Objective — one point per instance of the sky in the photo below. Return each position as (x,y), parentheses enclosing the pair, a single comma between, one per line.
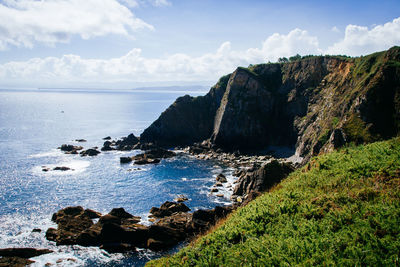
(136,43)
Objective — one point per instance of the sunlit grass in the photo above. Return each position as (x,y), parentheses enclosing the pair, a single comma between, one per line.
(342,209)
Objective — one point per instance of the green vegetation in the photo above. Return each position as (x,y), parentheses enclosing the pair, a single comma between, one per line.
(342,209)
(357,131)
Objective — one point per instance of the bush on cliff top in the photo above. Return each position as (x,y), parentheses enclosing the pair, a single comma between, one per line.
(343,208)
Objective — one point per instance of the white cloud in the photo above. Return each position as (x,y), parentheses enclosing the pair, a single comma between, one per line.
(359,40)
(134,67)
(335,29)
(177,67)
(25,22)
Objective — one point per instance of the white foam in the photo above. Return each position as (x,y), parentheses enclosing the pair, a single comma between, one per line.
(76,166)
(51,153)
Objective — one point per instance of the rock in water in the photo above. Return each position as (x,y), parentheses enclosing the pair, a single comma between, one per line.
(90,152)
(25,253)
(168,208)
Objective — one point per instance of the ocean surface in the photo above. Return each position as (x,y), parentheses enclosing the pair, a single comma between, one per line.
(33,123)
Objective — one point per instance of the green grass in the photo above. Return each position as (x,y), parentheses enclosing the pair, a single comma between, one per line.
(341,209)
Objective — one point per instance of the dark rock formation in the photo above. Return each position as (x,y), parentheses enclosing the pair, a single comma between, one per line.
(25,253)
(312,105)
(143,161)
(80,140)
(62,168)
(118,231)
(107,138)
(70,149)
(127,143)
(169,208)
(263,178)
(221,178)
(107,146)
(124,160)
(187,120)
(90,152)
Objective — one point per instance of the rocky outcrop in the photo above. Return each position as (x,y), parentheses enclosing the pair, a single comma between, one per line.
(187,120)
(169,208)
(23,252)
(151,156)
(119,231)
(312,105)
(263,178)
(70,149)
(18,257)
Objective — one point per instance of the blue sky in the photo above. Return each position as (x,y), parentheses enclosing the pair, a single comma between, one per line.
(128,43)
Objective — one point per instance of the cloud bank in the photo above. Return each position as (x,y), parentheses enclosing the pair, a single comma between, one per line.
(26,22)
(133,67)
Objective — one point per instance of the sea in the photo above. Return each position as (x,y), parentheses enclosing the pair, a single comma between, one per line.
(35,122)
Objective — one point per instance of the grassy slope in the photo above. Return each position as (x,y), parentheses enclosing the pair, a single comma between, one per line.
(343,208)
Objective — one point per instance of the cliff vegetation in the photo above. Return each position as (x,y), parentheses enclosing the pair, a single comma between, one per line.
(341,209)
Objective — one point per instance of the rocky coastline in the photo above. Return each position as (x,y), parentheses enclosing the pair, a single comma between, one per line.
(171,223)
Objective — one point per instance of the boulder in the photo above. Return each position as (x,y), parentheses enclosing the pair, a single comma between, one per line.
(70,149)
(14,262)
(124,160)
(144,161)
(127,143)
(221,178)
(107,146)
(168,208)
(264,178)
(107,138)
(80,140)
(120,213)
(90,152)
(25,253)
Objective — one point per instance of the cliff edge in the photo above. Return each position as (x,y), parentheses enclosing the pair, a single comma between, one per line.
(314,104)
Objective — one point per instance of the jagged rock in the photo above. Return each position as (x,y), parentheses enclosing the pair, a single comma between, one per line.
(127,143)
(36,230)
(92,214)
(146,161)
(90,152)
(180,198)
(221,178)
(168,208)
(14,262)
(107,138)
(70,149)
(124,160)
(156,154)
(25,253)
(263,178)
(120,213)
(214,190)
(118,231)
(107,146)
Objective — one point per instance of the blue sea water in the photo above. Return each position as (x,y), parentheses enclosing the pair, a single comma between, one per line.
(33,123)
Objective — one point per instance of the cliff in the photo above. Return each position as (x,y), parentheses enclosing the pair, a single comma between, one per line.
(313,105)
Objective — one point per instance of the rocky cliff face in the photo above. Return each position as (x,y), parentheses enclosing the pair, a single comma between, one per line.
(187,120)
(314,104)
